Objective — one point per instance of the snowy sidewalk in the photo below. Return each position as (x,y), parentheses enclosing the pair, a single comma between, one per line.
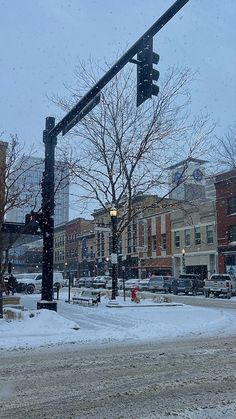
(100,324)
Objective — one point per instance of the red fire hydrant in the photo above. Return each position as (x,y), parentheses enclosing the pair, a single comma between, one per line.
(133,294)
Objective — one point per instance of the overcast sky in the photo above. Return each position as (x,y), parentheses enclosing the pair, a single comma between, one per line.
(41,42)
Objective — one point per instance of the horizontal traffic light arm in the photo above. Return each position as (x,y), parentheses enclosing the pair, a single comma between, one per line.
(132,51)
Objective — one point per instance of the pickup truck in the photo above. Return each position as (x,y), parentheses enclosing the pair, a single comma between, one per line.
(220,284)
(188,284)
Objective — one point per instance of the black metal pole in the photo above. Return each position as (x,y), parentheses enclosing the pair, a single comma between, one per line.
(48,218)
(183,263)
(114,256)
(69,284)
(123,272)
(1,305)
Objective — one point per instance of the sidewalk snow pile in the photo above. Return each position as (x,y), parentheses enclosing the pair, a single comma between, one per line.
(34,328)
(102,325)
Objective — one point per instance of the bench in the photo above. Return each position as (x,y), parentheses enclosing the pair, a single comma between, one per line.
(88,297)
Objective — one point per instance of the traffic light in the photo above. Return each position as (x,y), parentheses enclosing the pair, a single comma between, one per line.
(33,223)
(146,74)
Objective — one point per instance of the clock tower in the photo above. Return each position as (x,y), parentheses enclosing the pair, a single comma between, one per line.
(187,179)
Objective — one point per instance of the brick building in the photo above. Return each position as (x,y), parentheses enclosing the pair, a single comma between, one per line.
(73,230)
(226,221)
(154,239)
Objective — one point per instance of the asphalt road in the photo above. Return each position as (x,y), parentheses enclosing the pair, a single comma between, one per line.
(191,378)
(187,378)
(201,301)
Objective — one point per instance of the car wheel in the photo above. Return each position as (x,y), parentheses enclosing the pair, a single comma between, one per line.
(19,288)
(30,289)
(207,294)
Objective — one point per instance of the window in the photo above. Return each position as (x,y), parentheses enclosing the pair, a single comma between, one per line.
(143,230)
(187,237)
(129,239)
(177,239)
(232,233)
(163,241)
(197,233)
(134,237)
(154,243)
(232,205)
(209,234)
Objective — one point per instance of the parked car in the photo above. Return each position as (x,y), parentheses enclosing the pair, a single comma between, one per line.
(160,283)
(84,281)
(188,284)
(119,284)
(143,284)
(101,281)
(132,283)
(220,284)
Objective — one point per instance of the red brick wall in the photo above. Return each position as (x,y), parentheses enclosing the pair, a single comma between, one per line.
(224,190)
(168,234)
(149,237)
(158,232)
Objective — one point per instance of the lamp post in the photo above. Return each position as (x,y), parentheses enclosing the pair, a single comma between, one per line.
(114,256)
(183,261)
(107,266)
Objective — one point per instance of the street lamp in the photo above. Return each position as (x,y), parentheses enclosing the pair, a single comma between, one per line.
(183,261)
(114,256)
(65,270)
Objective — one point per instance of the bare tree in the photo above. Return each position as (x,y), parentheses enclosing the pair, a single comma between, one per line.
(17,191)
(118,150)
(226,150)
(14,193)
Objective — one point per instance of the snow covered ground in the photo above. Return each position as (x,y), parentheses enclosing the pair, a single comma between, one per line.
(100,324)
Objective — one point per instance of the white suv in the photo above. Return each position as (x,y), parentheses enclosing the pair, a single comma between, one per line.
(32,282)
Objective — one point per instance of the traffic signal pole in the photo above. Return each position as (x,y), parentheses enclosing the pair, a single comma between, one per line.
(79,111)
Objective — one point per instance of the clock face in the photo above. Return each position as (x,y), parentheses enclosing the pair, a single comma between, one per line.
(176,177)
(197,175)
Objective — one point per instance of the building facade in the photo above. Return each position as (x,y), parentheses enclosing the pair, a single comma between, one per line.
(154,237)
(194,239)
(74,229)
(59,248)
(226,221)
